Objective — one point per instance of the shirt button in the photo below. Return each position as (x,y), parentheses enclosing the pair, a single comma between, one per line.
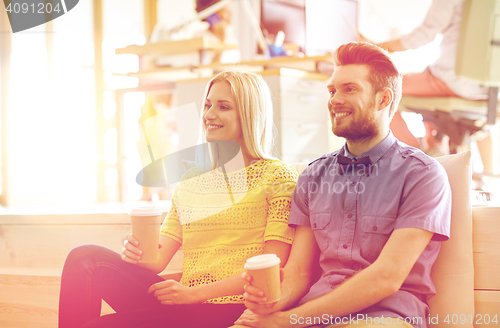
(345,246)
(349,215)
(374,228)
(353,183)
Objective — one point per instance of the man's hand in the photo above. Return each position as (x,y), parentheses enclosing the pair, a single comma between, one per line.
(275,320)
(361,38)
(391,46)
(170,292)
(255,299)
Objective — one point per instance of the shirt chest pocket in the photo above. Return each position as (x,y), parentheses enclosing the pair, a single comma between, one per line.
(374,233)
(320,225)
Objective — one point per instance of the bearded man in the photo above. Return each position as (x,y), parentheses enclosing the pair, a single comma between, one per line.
(371,214)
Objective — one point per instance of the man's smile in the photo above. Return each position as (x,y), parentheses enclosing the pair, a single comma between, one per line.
(340,115)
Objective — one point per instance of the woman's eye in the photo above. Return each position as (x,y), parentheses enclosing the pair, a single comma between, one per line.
(332,92)
(349,89)
(224,107)
(207,106)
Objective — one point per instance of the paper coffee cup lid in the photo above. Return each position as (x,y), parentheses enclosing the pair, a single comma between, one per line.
(262,261)
(145,211)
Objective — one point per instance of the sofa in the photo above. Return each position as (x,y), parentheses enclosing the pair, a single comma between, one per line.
(33,247)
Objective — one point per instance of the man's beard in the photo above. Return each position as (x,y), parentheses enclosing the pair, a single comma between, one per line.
(361,128)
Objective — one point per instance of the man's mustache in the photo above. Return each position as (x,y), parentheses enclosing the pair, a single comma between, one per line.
(339,108)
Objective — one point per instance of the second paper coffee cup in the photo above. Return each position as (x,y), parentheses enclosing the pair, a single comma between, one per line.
(146,221)
(265,272)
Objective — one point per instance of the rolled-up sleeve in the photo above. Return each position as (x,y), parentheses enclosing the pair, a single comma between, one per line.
(278,213)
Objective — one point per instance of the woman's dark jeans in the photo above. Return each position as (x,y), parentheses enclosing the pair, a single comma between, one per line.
(93,273)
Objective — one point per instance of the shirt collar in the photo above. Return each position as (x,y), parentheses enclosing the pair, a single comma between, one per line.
(376,152)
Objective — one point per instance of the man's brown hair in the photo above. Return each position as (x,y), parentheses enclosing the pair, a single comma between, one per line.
(383,73)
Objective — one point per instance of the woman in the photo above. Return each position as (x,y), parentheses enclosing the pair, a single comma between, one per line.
(216,243)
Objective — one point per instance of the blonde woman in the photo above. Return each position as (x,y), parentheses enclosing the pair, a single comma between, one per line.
(216,243)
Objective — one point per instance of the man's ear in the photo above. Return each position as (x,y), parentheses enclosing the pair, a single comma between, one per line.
(387,97)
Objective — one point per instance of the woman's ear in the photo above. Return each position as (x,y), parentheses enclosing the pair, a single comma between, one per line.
(386,100)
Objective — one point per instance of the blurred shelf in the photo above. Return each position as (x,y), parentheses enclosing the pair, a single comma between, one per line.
(175,47)
(170,73)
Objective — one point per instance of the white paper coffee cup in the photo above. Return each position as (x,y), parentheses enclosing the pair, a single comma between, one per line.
(265,272)
(146,221)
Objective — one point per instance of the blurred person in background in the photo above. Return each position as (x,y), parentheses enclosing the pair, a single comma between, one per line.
(438,79)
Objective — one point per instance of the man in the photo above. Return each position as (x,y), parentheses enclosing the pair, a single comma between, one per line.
(374,225)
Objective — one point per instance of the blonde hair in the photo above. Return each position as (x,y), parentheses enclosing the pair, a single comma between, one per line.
(255,106)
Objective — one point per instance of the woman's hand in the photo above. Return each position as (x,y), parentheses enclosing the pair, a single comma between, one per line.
(170,292)
(130,252)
